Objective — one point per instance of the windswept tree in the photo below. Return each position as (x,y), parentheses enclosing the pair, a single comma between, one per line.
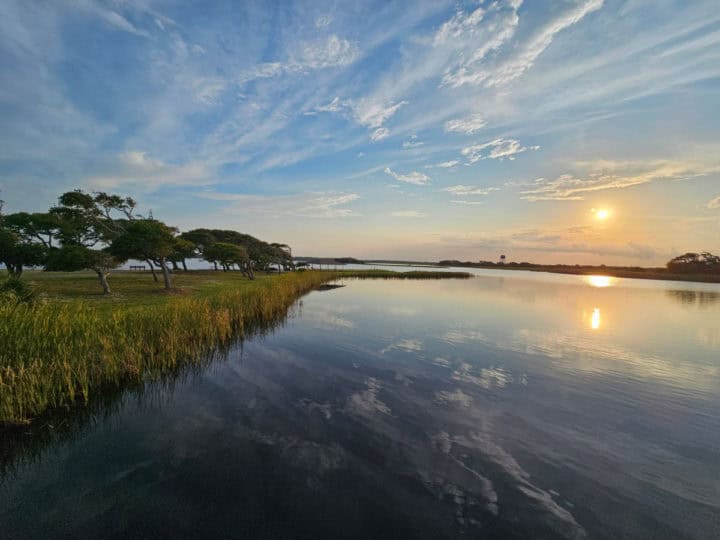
(695,263)
(34,227)
(19,246)
(72,258)
(228,255)
(260,254)
(184,249)
(147,240)
(86,224)
(16,252)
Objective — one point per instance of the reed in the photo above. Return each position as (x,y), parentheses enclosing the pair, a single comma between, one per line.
(58,351)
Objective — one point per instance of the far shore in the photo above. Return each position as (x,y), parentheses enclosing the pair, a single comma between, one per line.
(581,270)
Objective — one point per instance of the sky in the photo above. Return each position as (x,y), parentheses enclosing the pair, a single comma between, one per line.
(406,130)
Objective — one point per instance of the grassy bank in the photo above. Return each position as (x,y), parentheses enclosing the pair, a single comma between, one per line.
(74,341)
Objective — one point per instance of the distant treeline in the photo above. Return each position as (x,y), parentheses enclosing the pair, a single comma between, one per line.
(100,231)
(704,263)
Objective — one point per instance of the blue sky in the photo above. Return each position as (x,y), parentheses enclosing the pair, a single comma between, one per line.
(418,130)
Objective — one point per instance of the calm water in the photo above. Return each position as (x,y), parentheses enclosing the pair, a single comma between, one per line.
(508,405)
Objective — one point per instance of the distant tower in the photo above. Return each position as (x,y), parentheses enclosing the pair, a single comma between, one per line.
(502,259)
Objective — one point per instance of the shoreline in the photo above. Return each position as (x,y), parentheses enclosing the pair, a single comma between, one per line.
(74,342)
(658,274)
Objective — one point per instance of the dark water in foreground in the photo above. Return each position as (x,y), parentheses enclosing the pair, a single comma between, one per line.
(498,407)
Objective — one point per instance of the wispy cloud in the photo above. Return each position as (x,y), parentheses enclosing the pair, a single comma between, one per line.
(444,165)
(330,52)
(412,142)
(614,175)
(462,190)
(379,134)
(305,205)
(416,178)
(468,125)
(466,202)
(714,203)
(475,71)
(496,149)
(407,214)
(139,171)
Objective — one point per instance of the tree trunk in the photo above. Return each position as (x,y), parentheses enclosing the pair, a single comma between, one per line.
(215,263)
(152,269)
(166,274)
(102,276)
(175,266)
(184,265)
(249,269)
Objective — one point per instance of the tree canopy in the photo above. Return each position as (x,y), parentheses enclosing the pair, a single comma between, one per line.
(695,263)
(99,231)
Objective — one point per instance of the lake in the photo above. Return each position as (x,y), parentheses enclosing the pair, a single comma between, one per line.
(509,405)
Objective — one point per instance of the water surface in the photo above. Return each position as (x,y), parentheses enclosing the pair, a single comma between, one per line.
(510,405)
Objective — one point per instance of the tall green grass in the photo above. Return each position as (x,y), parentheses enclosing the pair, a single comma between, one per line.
(57,352)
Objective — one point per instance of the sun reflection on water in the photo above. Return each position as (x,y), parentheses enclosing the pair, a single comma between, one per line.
(595,319)
(599,281)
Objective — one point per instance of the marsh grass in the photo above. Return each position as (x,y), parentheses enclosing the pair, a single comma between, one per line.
(72,342)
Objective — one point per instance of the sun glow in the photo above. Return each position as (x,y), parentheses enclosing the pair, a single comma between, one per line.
(599,281)
(595,319)
(601,213)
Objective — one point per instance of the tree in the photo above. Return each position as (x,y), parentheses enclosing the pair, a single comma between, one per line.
(260,253)
(84,221)
(184,249)
(18,242)
(72,258)
(227,255)
(16,252)
(696,263)
(36,227)
(146,239)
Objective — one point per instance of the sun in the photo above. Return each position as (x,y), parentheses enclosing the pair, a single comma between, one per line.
(601,213)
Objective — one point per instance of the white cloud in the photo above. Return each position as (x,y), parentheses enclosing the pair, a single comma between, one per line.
(379,134)
(613,175)
(469,203)
(444,165)
(208,90)
(496,149)
(407,214)
(468,125)
(111,17)
(374,114)
(336,105)
(323,21)
(412,142)
(139,170)
(527,55)
(265,70)
(462,25)
(475,71)
(332,52)
(416,178)
(369,113)
(306,205)
(463,191)
(501,22)
(714,203)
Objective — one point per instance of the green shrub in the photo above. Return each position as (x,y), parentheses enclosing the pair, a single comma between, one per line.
(16,290)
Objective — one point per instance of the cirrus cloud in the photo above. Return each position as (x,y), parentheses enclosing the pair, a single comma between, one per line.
(416,178)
